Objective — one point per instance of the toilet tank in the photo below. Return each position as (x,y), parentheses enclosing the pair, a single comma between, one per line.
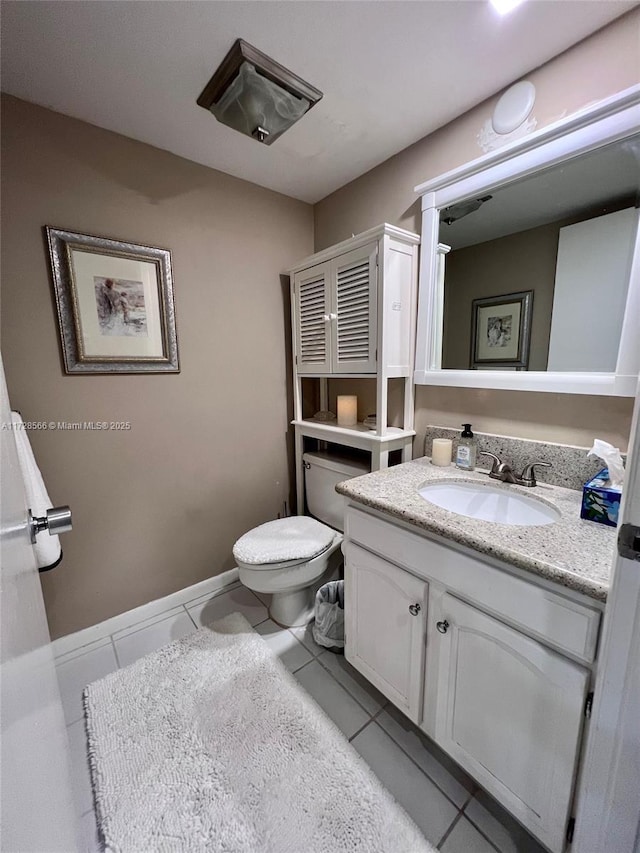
(322,472)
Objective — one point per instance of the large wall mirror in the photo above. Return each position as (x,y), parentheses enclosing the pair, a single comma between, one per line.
(531,260)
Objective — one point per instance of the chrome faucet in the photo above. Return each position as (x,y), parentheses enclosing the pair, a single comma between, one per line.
(503,471)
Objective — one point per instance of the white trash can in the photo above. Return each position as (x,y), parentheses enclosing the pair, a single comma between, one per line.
(328,629)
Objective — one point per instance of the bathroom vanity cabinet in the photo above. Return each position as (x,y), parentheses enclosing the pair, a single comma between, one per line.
(494,667)
(353,315)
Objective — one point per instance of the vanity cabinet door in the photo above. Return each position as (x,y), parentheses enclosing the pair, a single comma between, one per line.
(385,618)
(510,712)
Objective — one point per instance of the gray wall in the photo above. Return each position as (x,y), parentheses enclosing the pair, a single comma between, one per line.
(157,508)
(564,85)
(519,262)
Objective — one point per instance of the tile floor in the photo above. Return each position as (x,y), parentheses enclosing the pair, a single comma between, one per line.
(441,799)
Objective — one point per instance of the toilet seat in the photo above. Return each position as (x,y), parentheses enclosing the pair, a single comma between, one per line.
(272,567)
(283,543)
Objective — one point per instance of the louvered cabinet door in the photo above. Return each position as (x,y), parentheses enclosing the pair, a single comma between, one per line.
(312,318)
(354,311)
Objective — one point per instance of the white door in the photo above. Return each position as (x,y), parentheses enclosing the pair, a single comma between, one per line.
(510,711)
(385,620)
(354,313)
(313,319)
(36,804)
(608,802)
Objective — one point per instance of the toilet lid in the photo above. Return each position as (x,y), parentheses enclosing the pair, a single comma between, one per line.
(295,538)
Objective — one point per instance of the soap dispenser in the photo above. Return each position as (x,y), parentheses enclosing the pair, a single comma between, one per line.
(467,449)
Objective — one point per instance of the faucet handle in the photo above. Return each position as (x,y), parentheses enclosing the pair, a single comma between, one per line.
(528,476)
(497,462)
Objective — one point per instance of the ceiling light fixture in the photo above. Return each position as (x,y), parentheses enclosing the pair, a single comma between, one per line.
(503,7)
(255,95)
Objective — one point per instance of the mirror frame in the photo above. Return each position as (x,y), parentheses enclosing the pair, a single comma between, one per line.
(610,120)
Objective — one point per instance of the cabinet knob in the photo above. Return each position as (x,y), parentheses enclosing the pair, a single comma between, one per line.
(443,626)
(414,609)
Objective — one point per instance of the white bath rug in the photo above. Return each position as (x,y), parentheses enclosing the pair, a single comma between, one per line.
(209,744)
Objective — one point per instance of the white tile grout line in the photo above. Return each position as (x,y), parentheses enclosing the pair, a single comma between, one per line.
(372,719)
(449,830)
(143,625)
(344,687)
(190,616)
(78,651)
(421,769)
(207,596)
(482,831)
(82,650)
(462,814)
(115,651)
(65,646)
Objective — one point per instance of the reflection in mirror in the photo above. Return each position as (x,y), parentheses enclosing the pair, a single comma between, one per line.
(538,271)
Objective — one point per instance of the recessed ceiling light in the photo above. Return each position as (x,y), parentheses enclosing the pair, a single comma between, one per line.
(505,6)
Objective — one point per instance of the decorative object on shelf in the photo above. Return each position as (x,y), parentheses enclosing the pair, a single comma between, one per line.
(441,452)
(115,304)
(347,410)
(370,421)
(255,95)
(324,417)
(501,330)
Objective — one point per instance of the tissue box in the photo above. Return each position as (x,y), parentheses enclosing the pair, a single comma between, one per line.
(600,502)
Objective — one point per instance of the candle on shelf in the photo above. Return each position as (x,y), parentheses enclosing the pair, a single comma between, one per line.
(347,410)
(441,452)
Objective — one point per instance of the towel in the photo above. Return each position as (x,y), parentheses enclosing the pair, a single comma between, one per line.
(47,548)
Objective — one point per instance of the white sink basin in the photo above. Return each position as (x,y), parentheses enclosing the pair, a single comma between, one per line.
(489,503)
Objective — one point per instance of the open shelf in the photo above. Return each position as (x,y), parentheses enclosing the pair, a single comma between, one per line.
(332,431)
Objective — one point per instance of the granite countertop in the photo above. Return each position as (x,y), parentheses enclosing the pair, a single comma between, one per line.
(575,553)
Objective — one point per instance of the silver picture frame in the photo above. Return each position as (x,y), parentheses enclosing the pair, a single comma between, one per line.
(501,331)
(115,304)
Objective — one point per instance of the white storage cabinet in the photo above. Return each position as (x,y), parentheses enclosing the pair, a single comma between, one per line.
(353,314)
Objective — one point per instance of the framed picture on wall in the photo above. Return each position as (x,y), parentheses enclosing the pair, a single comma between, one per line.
(501,331)
(115,304)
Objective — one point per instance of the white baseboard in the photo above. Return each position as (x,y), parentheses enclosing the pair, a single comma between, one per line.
(210,586)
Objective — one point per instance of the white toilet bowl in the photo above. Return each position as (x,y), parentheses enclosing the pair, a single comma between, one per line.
(290,558)
(292,583)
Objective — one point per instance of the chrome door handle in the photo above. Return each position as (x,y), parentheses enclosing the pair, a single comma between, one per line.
(414,609)
(57,520)
(443,626)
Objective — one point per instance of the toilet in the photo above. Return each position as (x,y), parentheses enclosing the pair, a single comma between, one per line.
(290,558)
